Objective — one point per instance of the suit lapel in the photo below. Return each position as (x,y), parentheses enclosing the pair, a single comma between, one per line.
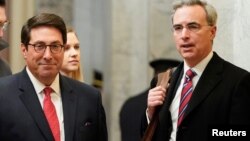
(31,101)
(209,79)
(69,101)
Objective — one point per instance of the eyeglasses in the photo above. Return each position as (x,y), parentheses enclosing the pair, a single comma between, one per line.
(4,25)
(54,48)
(192,27)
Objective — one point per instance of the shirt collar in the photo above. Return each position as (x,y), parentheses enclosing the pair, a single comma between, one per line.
(40,86)
(200,67)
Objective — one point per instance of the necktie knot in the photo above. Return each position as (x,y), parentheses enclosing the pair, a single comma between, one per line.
(190,74)
(47,91)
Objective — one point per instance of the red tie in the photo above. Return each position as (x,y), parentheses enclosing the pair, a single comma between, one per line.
(186,94)
(50,113)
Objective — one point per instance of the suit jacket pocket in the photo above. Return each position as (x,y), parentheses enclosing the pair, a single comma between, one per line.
(88,131)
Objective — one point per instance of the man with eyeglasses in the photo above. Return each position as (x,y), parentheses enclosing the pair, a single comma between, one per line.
(207,96)
(40,104)
(4,67)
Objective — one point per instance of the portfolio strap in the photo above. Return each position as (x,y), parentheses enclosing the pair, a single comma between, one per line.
(162,80)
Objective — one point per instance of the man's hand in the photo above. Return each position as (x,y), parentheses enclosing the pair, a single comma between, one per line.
(156,97)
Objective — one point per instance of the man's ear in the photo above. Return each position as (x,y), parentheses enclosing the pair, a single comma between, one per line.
(24,50)
(213,31)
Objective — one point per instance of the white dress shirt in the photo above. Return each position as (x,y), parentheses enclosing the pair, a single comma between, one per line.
(174,107)
(55,97)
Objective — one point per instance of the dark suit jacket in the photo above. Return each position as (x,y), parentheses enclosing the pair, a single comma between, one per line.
(130,116)
(220,99)
(4,68)
(22,117)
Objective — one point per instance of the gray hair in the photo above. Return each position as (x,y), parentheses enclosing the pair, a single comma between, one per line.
(211,14)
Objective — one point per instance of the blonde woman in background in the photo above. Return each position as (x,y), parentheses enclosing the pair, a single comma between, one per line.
(71,66)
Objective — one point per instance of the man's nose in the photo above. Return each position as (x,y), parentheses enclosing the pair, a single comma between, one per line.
(47,52)
(185,33)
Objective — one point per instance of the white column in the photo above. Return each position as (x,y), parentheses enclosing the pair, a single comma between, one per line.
(20,11)
(232,39)
(128,61)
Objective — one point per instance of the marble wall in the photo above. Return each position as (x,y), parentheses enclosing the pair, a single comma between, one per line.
(161,44)
(63,8)
(128,68)
(18,13)
(92,23)
(232,39)
(241,38)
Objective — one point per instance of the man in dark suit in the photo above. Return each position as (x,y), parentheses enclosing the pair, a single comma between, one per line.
(4,67)
(134,107)
(215,94)
(26,97)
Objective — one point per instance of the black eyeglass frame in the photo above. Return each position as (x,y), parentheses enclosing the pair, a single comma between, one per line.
(4,25)
(40,48)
